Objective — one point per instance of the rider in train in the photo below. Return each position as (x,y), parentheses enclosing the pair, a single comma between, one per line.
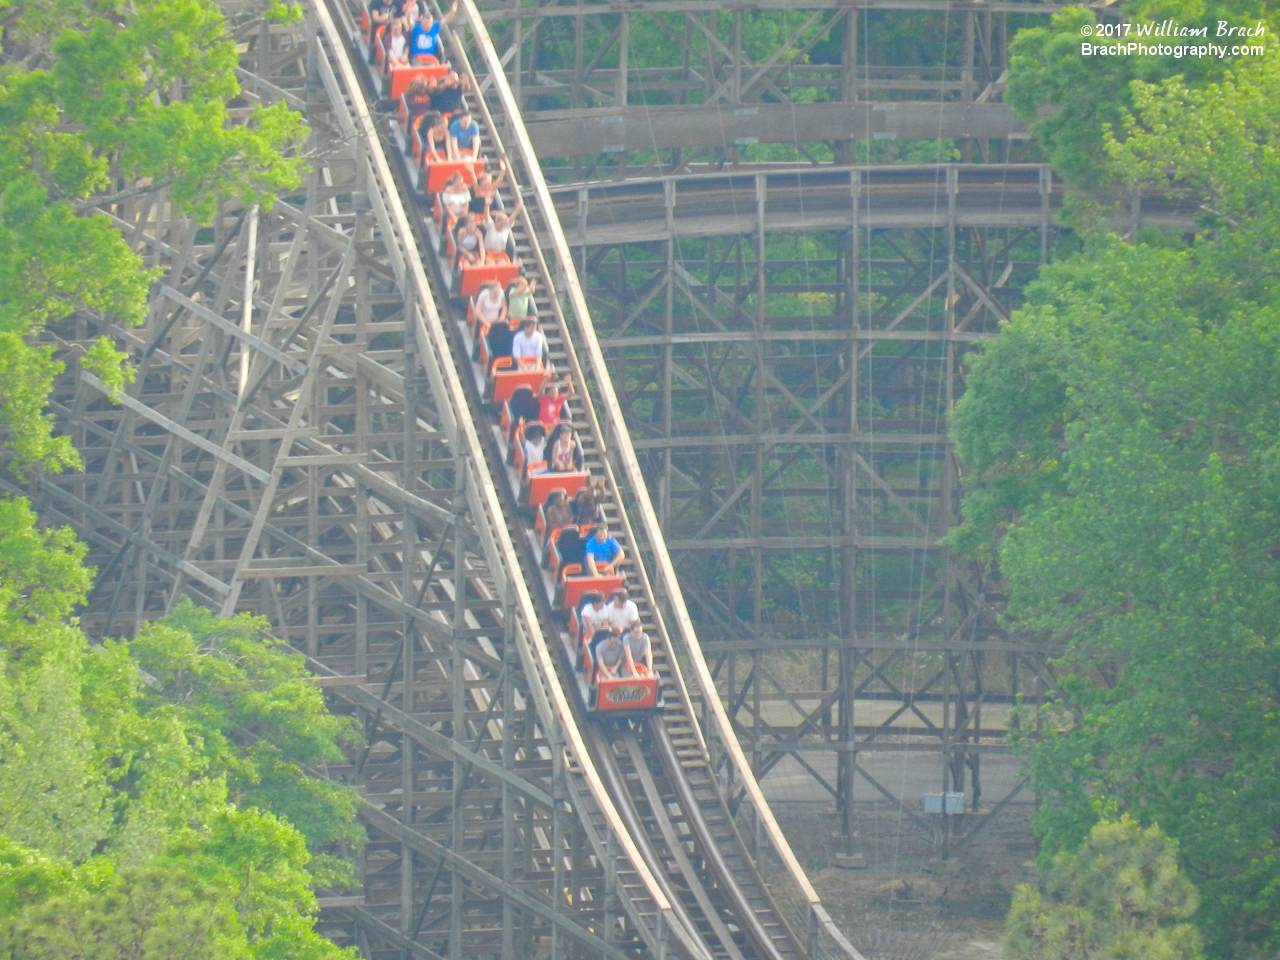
(621,611)
(425,41)
(608,656)
(639,650)
(601,549)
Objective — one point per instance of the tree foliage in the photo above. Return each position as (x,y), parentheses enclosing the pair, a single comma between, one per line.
(1121,897)
(1073,101)
(99,98)
(139,816)
(1121,449)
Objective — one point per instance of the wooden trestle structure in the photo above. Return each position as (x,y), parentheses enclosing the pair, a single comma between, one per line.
(299,443)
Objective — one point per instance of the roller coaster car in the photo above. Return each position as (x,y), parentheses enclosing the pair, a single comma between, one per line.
(565,546)
(471,279)
(493,342)
(541,485)
(440,172)
(572,583)
(506,376)
(540,519)
(612,697)
(366,29)
(626,696)
(399,78)
(522,405)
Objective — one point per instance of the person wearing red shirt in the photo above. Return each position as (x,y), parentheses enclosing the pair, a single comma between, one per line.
(551,404)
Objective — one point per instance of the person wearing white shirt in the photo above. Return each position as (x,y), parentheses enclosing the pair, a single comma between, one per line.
(497,233)
(491,305)
(591,615)
(529,343)
(621,612)
(456,196)
(535,444)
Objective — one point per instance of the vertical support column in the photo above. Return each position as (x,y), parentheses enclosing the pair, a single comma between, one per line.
(578,26)
(409,547)
(736,90)
(953,185)
(517,40)
(846,150)
(709,72)
(1046,193)
(967,85)
(846,757)
(584,206)
(974,759)
(408,670)
(458,666)
(624,50)
(758,385)
(668,354)
(246,300)
(944,817)
(559,799)
(510,663)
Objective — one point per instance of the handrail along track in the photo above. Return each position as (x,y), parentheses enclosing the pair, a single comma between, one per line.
(663,806)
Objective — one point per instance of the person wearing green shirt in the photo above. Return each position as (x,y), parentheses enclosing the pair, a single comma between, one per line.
(520,298)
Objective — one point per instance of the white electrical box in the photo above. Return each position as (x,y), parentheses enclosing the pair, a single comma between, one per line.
(933,803)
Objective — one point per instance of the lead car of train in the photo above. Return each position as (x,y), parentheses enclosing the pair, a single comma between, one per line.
(510,388)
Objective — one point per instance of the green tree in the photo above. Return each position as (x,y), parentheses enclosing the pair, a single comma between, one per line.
(1120,897)
(141,914)
(262,722)
(101,101)
(1121,449)
(1073,101)
(137,816)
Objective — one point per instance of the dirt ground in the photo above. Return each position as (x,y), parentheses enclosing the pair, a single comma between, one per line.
(908,903)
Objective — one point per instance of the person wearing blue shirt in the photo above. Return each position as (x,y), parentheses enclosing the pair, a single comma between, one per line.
(464,135)
(601,549)
(426,35)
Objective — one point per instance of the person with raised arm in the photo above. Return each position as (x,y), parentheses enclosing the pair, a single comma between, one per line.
(497,232)
(487,196)
(426,35)
(551,408)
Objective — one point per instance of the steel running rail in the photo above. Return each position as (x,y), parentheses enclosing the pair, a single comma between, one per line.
(611,841)
(823,938)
